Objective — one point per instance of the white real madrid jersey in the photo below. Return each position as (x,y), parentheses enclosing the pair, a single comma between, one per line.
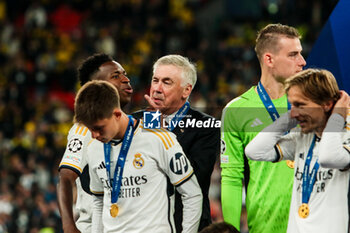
(78,138)
(144,206)
(74,158)
(328,200)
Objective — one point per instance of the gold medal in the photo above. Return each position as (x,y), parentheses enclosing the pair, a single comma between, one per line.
(304,210)
(290,163)
(114,210)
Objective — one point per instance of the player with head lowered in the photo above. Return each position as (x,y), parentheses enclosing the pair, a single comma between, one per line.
(73,164)
(132,167)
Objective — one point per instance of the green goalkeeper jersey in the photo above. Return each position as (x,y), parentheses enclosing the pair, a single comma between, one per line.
(269,185)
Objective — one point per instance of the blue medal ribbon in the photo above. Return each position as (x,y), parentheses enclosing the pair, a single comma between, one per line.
(179,115)
(119,168)
(309,179)
(270,107)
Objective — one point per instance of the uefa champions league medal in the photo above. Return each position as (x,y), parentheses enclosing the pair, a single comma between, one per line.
(304,210)
(114,210)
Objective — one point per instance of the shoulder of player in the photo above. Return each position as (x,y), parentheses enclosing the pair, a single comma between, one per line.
(80,131)
(162,136)
(235,112)
(94,153)
(244,100)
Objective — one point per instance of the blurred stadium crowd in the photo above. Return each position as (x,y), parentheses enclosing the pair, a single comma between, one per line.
(43,41)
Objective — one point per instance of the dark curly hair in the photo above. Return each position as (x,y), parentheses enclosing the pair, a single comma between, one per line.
(91,65)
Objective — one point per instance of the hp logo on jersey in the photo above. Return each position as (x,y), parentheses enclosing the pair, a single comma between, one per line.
(179,164)
(151,120)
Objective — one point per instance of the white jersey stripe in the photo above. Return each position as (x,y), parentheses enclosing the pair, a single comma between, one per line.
(166,136)
(85,131)
(81,130)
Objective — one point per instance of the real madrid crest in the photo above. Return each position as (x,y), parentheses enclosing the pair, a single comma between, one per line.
(138,161)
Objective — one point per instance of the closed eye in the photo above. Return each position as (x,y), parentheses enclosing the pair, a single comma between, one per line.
(168,82)
(293,54)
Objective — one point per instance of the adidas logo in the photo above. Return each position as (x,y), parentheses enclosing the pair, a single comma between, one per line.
(256,122)
(101,166)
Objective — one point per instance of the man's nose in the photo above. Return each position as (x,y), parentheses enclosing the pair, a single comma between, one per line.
(294,112)
(95,134)
(157,87)
(302,61)
(125,78)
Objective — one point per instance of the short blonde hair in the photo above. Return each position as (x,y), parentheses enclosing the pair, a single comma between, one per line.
(268,38)
(319,85)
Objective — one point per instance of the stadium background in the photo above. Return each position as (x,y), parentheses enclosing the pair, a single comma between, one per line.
(43,41)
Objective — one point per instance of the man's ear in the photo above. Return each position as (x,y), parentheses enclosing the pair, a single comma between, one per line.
(328,106)
(117,113)
(187,91)
(268,59)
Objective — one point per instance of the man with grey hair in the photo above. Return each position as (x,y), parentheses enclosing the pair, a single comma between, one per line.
(174,77)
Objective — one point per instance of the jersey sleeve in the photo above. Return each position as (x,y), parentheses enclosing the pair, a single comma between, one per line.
(73,158)
(232,165)
(285,147)
(334,144)
(172,160)
(274,143)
